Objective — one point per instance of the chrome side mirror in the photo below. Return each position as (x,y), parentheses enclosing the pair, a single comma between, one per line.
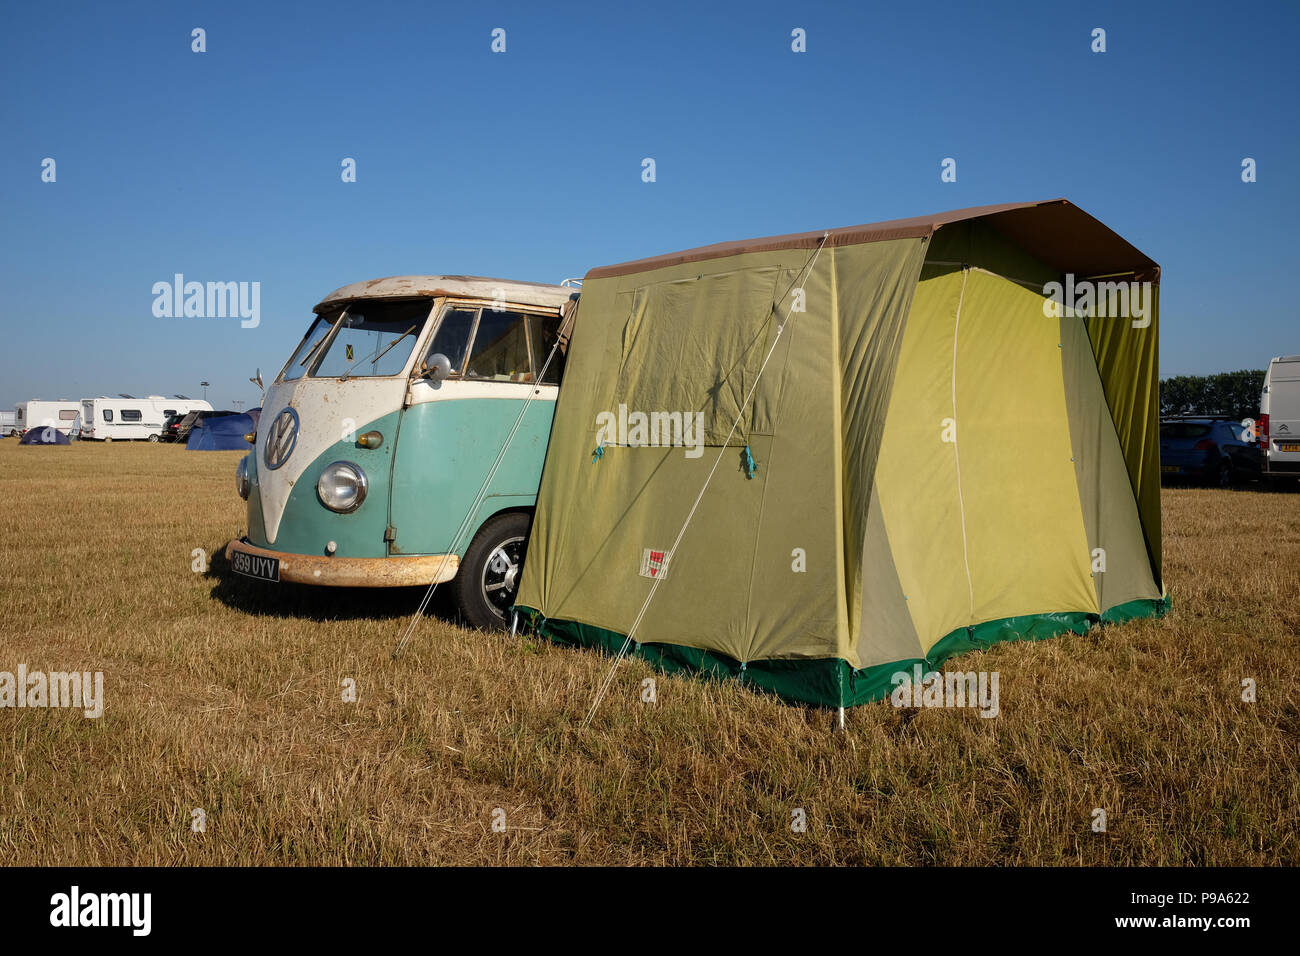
(436,367)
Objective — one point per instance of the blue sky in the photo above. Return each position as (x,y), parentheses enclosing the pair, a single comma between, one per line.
(225,165)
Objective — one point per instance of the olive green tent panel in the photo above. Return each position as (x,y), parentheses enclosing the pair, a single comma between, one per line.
(920,461)
(602,511)
(1116,541)
(1128,362)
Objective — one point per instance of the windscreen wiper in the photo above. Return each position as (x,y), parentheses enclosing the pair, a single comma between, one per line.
(344,376)
(315,348)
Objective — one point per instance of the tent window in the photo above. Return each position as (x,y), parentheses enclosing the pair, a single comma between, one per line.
(696,345)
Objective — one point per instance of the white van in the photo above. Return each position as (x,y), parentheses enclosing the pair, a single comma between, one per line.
(1279,419)
(126,418)
(38,414)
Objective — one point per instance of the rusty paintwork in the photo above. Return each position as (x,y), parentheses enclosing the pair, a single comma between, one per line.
(391,572)
(522,294)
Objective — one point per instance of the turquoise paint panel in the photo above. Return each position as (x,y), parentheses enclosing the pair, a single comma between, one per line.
(307,525)
(444,452)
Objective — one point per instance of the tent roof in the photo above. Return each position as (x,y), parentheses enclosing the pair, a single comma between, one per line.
(478,287)
(1055,231)
(44,435)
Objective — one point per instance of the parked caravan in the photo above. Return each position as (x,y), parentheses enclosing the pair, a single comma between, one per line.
(127,418)
(383,427)
(8,424)
(63,415)
(1279,419)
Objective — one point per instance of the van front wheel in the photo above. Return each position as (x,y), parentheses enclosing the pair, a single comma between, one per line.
(488,579)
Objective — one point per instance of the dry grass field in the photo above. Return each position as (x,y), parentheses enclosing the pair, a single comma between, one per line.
(225,695)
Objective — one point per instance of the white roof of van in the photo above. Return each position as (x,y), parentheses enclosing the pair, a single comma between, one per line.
(477,287)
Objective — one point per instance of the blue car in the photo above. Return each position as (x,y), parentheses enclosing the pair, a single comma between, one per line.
(1219,451)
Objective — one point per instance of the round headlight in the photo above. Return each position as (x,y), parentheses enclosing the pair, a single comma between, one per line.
(342,487)
(241,477)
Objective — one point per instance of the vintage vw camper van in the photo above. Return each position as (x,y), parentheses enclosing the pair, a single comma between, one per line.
(378,434)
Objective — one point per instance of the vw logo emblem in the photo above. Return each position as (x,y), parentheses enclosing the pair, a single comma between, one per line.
(280,439)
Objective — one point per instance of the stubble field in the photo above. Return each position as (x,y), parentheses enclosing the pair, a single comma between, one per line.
(226,696)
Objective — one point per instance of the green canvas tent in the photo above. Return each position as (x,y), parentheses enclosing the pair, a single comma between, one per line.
(951,441)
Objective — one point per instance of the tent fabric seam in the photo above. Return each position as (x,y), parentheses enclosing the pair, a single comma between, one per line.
(956,453)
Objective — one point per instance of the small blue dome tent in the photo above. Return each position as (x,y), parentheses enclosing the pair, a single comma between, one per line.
(222,433)
(44,435)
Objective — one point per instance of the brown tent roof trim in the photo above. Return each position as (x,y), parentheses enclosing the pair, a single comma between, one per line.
(1055,231)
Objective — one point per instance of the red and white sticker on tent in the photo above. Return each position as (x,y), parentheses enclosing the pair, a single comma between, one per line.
(654,564)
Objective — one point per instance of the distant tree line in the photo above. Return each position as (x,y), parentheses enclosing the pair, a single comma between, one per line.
(1229,393)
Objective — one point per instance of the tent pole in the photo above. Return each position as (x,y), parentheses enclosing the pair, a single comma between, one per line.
(514,623)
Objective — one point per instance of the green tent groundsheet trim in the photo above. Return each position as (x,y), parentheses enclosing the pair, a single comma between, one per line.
(833,682)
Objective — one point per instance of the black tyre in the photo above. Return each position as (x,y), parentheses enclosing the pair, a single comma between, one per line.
(488,579)
(1224,476)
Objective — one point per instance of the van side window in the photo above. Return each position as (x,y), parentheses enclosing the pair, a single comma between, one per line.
(543,331)
(452,339)
(67,414)
(108,414)
(168,412)
(500,351)
(131,415)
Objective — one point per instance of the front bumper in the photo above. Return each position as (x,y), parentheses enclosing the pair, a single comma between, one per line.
(393,572)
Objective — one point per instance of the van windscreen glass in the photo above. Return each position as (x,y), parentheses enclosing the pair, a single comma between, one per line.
(308,350)
(373,339)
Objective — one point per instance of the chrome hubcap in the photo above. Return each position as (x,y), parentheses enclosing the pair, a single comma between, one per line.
(501,575)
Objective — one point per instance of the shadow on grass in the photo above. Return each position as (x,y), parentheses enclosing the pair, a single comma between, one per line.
(303,602)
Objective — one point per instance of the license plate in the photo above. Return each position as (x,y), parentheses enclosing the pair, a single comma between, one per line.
(255,566)
(1288,446)
(1173,468)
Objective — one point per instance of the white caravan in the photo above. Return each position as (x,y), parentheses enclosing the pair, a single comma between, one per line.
(1279,419)
(64,416)
(130,419)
